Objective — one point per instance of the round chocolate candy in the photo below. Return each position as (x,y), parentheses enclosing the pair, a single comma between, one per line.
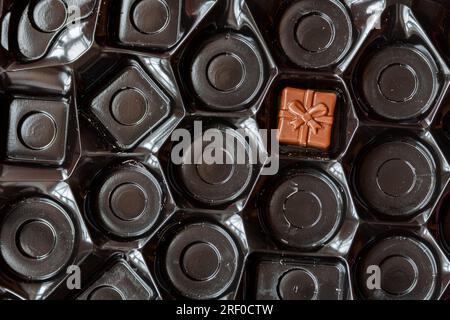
(150,16)
(298,284)
(304,210)
(396,178)
(37,239)
(400,82)
(228,72)
(315,34)
(201,261)
(221,179)
(49,15)
(128,202)
(406,270)
(37,130)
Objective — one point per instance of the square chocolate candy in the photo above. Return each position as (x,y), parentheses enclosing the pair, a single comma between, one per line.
(306,118)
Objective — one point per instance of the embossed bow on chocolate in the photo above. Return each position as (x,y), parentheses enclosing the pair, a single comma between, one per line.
(313,117)
(306,118)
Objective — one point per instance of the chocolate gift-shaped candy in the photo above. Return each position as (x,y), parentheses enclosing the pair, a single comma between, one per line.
(306,118)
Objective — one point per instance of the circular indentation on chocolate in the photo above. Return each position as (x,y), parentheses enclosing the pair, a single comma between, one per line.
(200,260)
(220,179)
(398,275)
(50,15)
(303,210)
(37,130)
(408,269)
(107,293)
(36,239)
(127,201)
(311,209)
(315,34)
(151,16)
(396,177)
(400,82)
(227,72)
(129,107)
(298,284)
(396,168)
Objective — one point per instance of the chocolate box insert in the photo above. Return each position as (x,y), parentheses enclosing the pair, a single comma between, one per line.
(94,92)
(408,269)
(228,72)
(395,176)
(216,184)
(400,82)
(126,201)
(40,235)
(200,261)
(315,34)
(149,23)
(275,277)
(131,106)
(38,131)
(119,282)
(43,22)
(304,210)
